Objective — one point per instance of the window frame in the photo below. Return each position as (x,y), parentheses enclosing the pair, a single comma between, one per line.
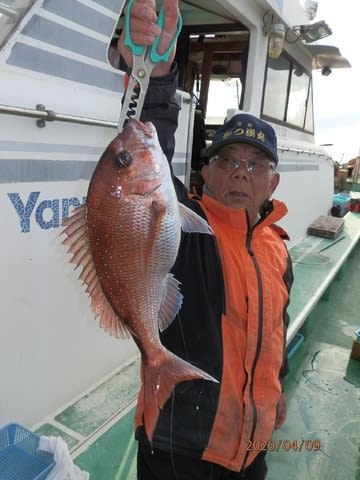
(294,65)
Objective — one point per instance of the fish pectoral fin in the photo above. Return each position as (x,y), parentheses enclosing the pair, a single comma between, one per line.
(170,303)
(107,318)
(191,222)
(78,245)
(76,237)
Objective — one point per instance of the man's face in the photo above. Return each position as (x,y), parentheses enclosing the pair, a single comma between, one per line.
(235,187)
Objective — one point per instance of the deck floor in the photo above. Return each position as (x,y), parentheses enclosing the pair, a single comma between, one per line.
(323,391)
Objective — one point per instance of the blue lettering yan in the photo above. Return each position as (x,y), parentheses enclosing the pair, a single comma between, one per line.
(25,211)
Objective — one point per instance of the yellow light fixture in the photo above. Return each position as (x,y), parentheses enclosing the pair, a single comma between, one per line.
(276,40)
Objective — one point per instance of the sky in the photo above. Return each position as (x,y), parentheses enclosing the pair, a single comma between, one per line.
(337,97)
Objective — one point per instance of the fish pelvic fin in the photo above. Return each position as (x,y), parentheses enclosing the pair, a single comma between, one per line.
(170,303)
(78,245)
(191,222)
(159,382)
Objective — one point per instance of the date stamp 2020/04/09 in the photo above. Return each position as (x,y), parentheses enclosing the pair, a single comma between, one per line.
(285,445)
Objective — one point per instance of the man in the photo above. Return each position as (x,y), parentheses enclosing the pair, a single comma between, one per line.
(236,284)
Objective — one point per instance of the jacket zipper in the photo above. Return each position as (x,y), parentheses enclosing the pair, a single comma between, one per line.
(260,329)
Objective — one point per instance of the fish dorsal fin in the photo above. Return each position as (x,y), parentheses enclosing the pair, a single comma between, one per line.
(170,303)
(191,222)
(78,245)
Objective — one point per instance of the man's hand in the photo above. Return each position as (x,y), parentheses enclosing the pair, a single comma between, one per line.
(280,412)
(143,31)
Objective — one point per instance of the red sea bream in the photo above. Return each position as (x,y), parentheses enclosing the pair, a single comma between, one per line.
(125,239)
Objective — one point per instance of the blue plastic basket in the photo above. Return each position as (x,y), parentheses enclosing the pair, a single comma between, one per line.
(341,199)
(20,457)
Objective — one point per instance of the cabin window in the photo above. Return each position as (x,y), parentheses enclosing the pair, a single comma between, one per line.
(309,120)
(212,62)
(297,98)
(288,94)
(11,13)
(229,91)
(276,89)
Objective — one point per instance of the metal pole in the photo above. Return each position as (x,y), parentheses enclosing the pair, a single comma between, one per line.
(51,116)
(10,12)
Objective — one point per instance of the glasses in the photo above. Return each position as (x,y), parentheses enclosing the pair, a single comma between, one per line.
(257,165)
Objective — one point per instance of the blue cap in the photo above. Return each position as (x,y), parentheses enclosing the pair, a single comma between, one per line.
(246,128)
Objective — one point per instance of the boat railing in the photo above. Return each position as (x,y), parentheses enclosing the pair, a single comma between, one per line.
(302,150)
(43,115)
(8,11)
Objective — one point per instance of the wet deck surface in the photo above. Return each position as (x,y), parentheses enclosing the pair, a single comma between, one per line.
(323,390)
(321,436)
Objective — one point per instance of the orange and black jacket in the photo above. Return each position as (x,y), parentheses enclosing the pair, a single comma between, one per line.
(232,324)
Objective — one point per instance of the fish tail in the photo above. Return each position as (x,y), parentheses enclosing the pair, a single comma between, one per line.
(159,382)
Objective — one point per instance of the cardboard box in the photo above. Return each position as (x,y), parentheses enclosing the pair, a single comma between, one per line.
(355,351)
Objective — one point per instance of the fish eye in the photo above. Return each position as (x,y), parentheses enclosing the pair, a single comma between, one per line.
(123,158)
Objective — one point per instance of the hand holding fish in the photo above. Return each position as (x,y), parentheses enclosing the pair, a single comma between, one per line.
(144,30)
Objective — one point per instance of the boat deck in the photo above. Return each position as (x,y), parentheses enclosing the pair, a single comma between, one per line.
(323,390)
(321,436)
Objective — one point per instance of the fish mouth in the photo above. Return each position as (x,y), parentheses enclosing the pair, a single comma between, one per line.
(147,127)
